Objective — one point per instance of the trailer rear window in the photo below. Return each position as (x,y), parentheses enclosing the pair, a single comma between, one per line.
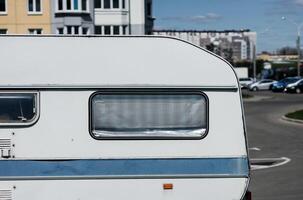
(18,108)
(148,115)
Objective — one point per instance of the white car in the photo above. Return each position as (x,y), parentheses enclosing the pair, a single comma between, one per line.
(264,84)
(244,82)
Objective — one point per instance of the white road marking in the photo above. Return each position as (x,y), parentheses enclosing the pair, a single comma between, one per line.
(276,162)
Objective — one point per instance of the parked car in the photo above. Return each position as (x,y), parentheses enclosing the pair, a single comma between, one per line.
(281,85)
(296,87)
(244,82)
(261,85)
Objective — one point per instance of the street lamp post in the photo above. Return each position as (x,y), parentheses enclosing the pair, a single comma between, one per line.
(255,62)
(299,27)
(299,53)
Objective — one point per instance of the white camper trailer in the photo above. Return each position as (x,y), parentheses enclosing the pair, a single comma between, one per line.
(119,118)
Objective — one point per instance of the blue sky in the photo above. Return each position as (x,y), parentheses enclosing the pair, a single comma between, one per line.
(262,16)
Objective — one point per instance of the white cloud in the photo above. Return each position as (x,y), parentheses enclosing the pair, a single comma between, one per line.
(299,2)
(196,18)
(205,18)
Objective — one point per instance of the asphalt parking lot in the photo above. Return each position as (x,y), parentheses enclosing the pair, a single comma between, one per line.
(271,137)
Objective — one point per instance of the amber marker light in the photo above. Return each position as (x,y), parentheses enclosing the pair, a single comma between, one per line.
(168,186)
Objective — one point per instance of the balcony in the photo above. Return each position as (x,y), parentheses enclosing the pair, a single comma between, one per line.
(111,16)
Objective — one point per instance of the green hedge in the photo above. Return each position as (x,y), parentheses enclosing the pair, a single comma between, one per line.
(296,115)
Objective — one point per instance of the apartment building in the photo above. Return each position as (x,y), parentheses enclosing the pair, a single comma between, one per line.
(235,45)
(25,17)
(72,17)
(123,17)
(76,17)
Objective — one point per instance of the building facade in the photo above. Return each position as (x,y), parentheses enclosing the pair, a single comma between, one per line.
(277,58)
(25,17)
(76,17)
(235,45)
(72,17)
(123,17)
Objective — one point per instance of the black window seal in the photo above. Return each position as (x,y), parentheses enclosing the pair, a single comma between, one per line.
(147,91)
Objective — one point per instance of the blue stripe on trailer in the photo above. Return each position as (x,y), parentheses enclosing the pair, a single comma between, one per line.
(127,168)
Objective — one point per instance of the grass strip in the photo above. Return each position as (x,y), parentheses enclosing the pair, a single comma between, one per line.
(296,115)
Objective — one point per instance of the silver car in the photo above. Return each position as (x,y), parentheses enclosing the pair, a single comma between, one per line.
(264,84)
(244,82)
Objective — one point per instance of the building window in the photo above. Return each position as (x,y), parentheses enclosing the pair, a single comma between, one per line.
(60,4)
(35,31)
(149,9)
(116,30)
(98,30)
(107,4)
(85,31)
(73,30)
(153,115)
(123,4)
(115,4)
(69,30)
(76,5)
(107,30)
(18,108)
(84,5)
(124,29)
(60,31)
(3,31)
(76,30)
(110,4)
(68,5)
(3,6)
(97,4)
(34,6)
(111,30)
(72,5)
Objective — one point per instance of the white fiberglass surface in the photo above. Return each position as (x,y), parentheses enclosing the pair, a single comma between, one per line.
(110,61)
(62,131)
(195,189)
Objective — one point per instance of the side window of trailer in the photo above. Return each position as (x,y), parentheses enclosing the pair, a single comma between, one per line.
(18,108)
(148,115)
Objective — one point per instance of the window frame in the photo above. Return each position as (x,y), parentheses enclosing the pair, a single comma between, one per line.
(35,12)
(147,91)
(6,8)
(35,118)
